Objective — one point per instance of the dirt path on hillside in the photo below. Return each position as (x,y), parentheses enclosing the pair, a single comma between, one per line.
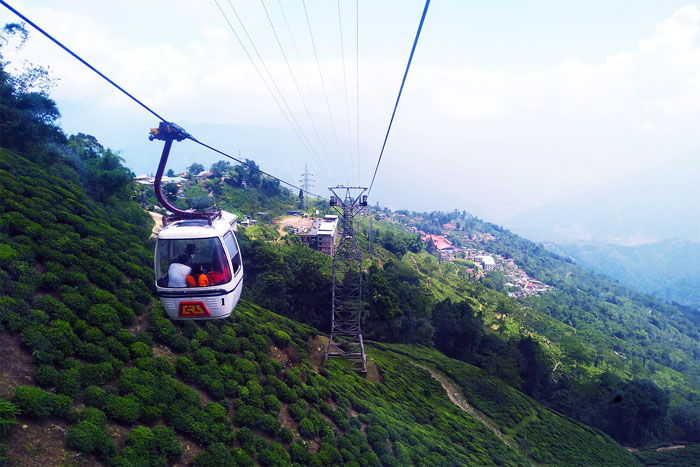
(158,218)
(457,397)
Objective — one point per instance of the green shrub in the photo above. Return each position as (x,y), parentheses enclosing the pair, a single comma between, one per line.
(62,406)
(46,375)
(248,416)
(298,410)
(96,374)
(123,409)
(217,412)
(281,338)
(139,350)
(69,382)
(307,428)
(187,369)
(299,453)
(93,415)
(88,437)
(95,396)
(166,442)
(93,334)
(270,424)
(33,401)
(286,435)
(104,317)
(217,455)
(151,414)
(272,404)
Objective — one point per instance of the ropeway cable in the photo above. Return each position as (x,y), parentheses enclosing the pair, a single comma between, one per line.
(103,76)
(408,66)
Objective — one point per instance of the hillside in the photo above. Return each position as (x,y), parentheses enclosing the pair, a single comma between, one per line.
(95,372)
(98,366)
(667,269)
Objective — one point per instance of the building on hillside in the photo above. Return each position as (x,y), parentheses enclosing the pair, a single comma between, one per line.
(323,235)
(487,262)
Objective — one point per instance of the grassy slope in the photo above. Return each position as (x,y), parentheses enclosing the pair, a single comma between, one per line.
(541,433)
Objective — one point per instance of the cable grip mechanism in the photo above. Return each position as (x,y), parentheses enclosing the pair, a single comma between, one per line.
(167,131)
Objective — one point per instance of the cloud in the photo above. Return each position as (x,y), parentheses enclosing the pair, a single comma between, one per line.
(470,134)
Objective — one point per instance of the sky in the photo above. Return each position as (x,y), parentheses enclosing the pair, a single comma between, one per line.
(551,118)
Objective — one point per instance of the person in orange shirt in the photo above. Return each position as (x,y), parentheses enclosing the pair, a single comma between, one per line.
(197,277)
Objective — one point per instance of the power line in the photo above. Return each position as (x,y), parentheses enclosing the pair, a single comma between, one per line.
(77,57)
(403,81)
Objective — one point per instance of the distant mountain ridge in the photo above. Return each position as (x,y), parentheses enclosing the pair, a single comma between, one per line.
(668,269)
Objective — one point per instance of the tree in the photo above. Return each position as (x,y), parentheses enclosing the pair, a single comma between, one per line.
(170,191)
(171,173)
(195,168)
(220,169)
(635,414)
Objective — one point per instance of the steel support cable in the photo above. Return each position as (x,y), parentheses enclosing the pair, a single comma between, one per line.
(303,74)
(103,76)
(398,98)
(357,81)
(272,79)
(296,84)
(345,84)
(74,55)
(323,83)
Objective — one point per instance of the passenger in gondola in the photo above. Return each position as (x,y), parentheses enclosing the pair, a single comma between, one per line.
(197,278)
(178,271)
(189,251)
(220,272)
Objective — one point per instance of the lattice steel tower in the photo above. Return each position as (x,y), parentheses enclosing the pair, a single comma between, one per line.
(346,334)
(306,181)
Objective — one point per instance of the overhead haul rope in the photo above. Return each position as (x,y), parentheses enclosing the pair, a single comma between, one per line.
(332,161)
(296,84)
(345,83)
(408,66)
(103,76)
(323,84)
(357,81)
(290,118)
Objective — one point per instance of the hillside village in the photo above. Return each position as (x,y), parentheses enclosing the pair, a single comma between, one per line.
(455,245)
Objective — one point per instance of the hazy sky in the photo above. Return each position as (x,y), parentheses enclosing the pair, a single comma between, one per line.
(508,108)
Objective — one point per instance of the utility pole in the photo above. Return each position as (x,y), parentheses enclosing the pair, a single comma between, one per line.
(371,235)
(306,182)
(346,334)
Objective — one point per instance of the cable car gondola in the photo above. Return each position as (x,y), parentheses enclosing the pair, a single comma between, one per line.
(198,265)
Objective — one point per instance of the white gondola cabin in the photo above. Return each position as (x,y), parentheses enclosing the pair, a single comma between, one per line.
(198,266)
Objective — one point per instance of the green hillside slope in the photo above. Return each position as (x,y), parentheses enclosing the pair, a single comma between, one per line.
(98,366)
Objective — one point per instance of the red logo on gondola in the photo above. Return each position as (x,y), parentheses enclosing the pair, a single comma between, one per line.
(193,310)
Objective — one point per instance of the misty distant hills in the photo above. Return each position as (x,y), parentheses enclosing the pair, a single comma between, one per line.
(668,269)
(649,205)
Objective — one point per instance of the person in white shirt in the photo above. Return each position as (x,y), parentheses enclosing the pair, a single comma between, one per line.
(178,271)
